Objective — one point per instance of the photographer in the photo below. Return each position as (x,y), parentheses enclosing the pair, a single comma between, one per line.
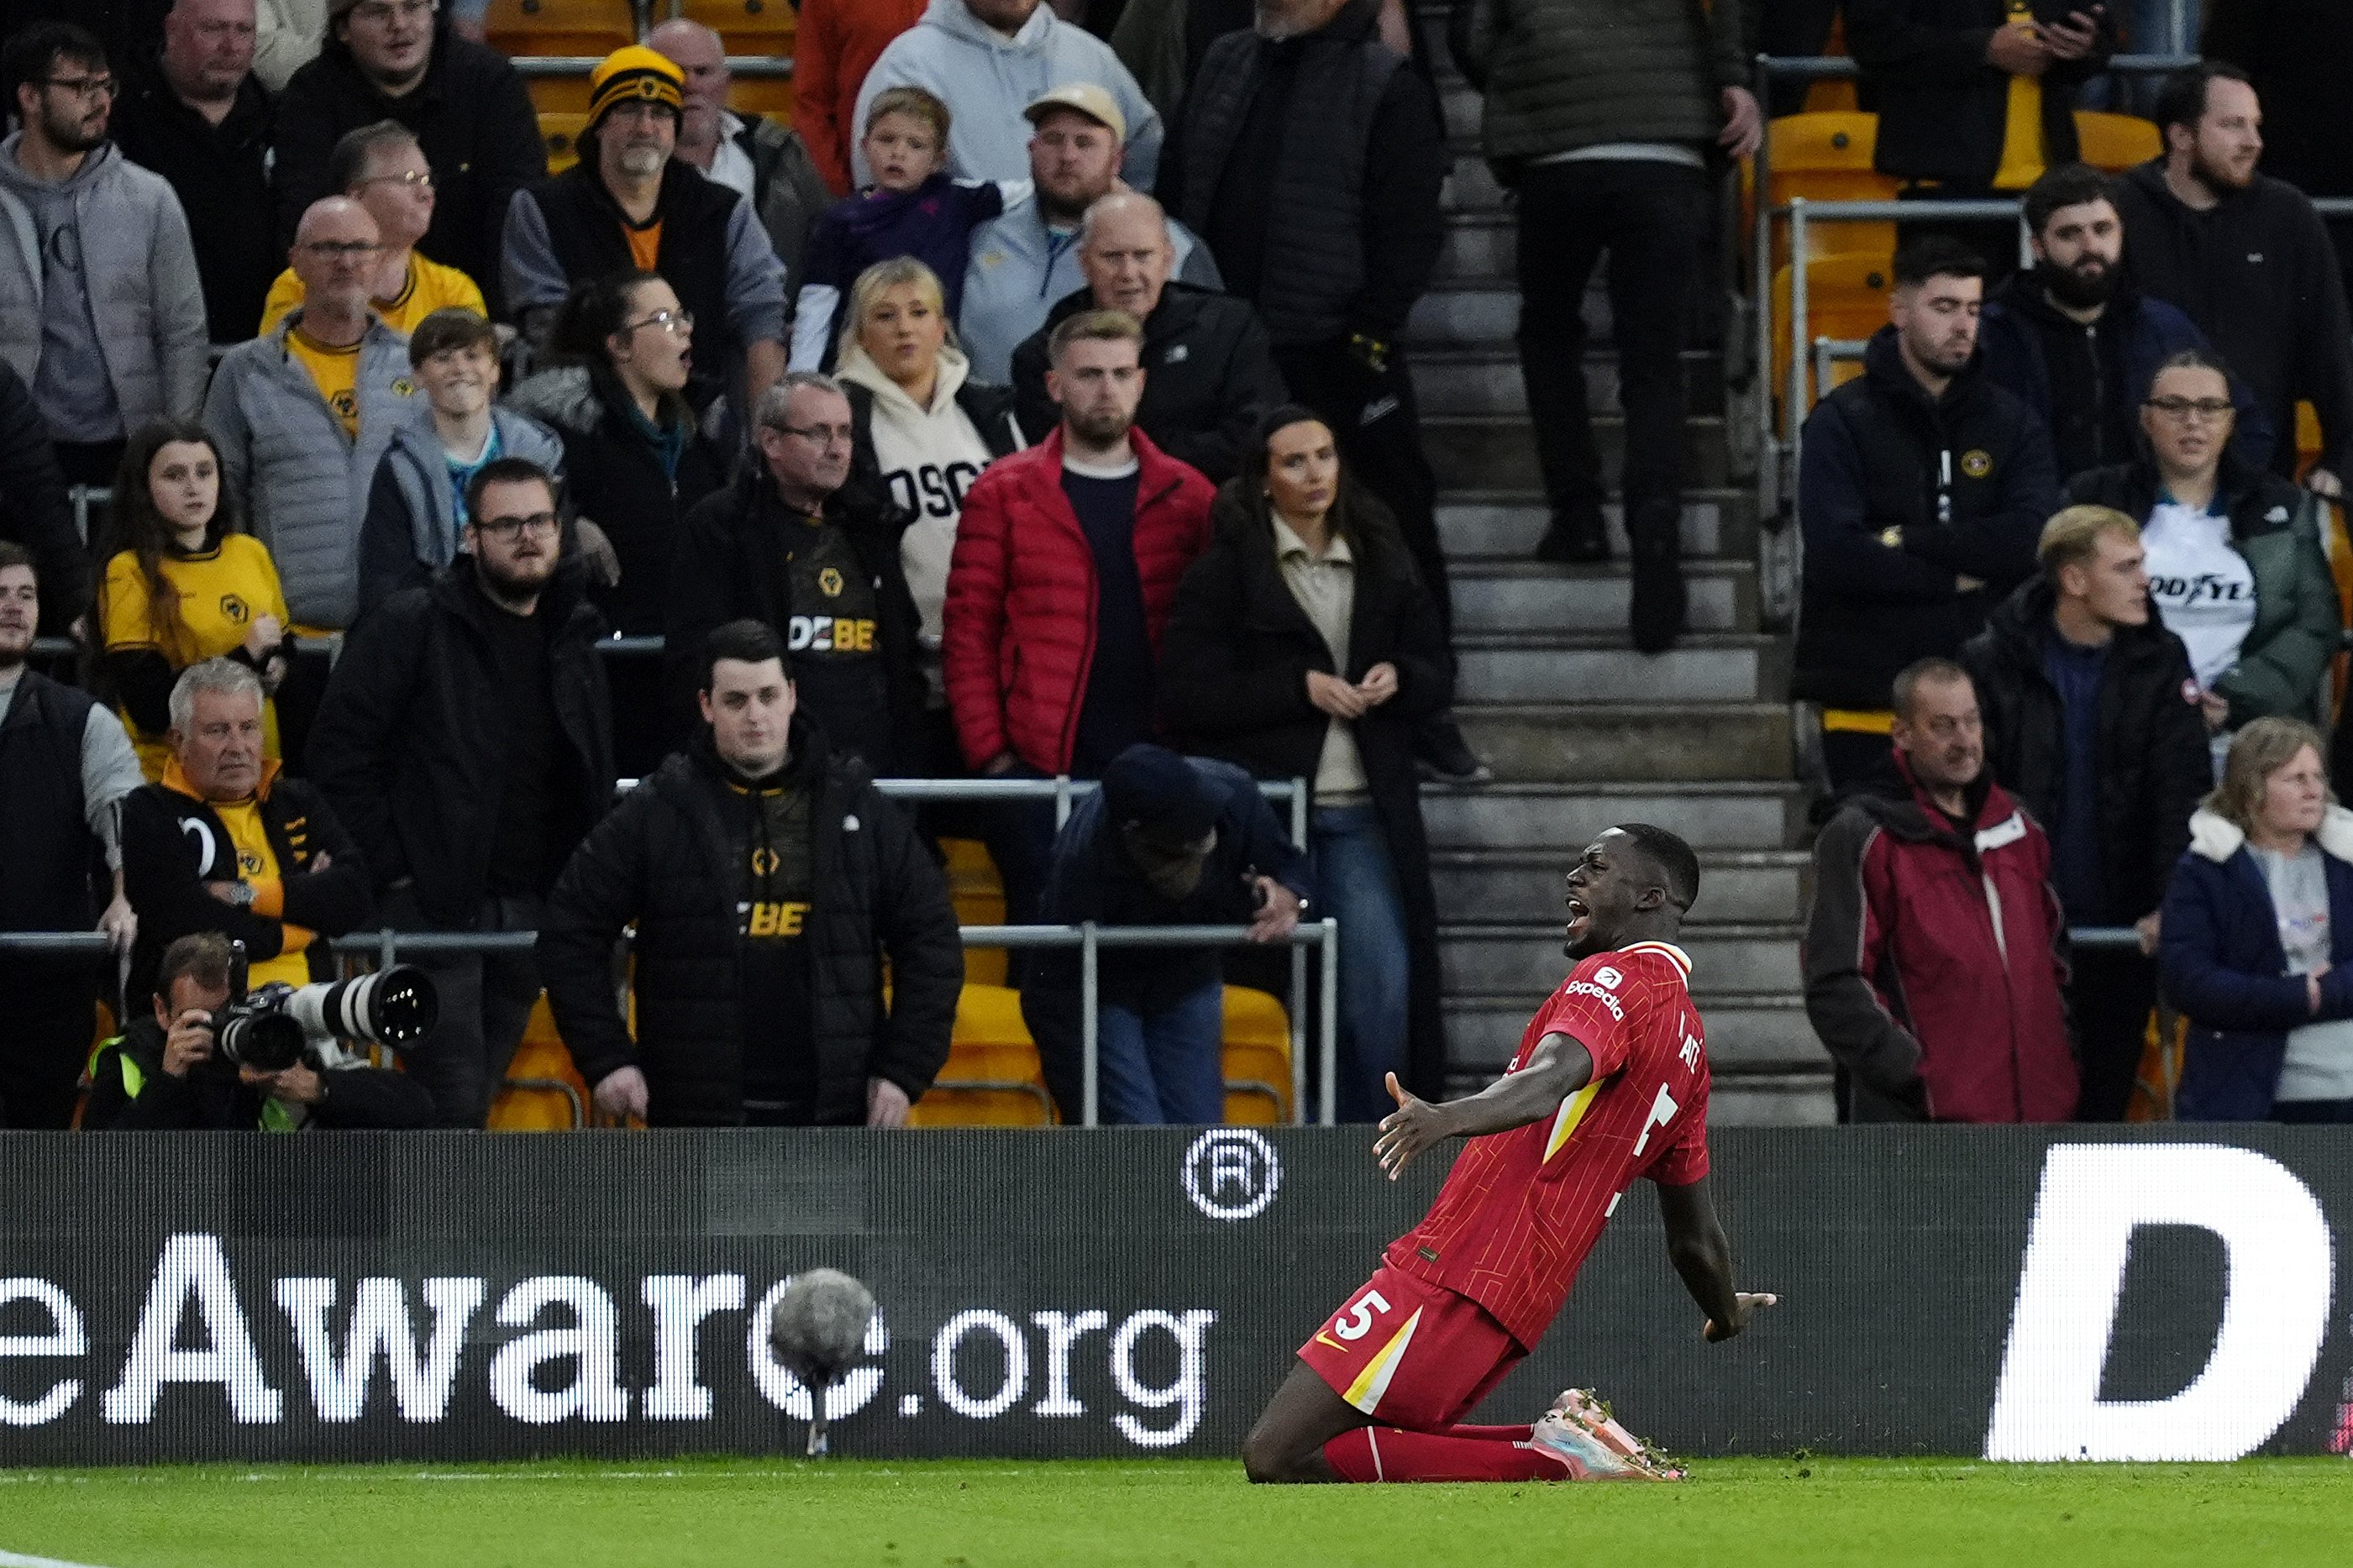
(224,844)
(167,1074)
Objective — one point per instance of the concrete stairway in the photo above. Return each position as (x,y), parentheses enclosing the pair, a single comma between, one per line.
(1582,732)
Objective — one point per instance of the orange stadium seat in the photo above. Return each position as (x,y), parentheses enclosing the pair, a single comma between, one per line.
(559,27)
(1846,297)
(1835,93)
(1826,157)
(1256,1058)
(747,26)
(562,133)
(2115,141)
(979,899)
(535,1097)
(992,1078)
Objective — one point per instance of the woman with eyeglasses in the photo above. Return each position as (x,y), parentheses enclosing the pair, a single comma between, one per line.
(2236,567)
(635,460)
(182,586)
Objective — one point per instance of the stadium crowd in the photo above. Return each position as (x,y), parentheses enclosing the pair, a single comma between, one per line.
(1036,404)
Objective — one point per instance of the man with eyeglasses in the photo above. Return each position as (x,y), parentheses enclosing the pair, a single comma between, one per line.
(466,741)
(798,545)
(628,203)
(399,60)
(303,417)
(197,115)
(2247,257)
(101,310)
(381,167)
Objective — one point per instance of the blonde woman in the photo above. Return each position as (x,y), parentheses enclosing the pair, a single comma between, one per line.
(2257,926)
(926,429)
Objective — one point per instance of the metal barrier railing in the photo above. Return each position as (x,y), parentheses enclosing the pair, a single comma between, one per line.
(1817,354)
(1090,938)
(386,946)
(765,66)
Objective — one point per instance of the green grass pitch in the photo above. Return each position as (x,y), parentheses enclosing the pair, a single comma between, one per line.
(1750,1513)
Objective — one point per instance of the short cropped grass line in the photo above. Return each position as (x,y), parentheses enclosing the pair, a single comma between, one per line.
(1754,1513)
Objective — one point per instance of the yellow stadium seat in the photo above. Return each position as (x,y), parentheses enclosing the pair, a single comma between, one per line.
(559,27)
(559,94)
(1256,1058)
(979,897)
(749,26)
(1846,297)
(771,96)
(2115,141)
(535,1099)
(562,133)
(1832,94)
(992,1078)
(1826,157)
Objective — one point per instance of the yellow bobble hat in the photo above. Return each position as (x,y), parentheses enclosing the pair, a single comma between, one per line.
(631,74)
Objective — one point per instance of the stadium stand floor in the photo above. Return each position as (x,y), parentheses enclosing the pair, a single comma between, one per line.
(1756,1513)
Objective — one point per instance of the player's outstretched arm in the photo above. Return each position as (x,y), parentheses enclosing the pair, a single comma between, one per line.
(1698,1247)
(1559,1066)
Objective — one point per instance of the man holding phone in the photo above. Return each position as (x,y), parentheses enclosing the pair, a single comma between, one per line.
(1976,97)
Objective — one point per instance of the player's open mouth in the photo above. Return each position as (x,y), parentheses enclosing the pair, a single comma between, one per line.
(1578,915)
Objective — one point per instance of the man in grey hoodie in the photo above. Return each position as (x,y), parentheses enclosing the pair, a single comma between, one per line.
(987,60)
(100,308)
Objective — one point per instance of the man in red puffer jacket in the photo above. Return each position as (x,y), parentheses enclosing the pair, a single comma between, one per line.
(1066,564)
(1935,955)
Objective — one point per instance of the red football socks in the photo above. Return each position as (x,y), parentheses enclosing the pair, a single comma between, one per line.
(1459,1454)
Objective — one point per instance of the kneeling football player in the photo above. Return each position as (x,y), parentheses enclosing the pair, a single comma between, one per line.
(1609,1086)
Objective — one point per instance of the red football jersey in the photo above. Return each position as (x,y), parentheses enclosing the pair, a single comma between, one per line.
(1521,1209)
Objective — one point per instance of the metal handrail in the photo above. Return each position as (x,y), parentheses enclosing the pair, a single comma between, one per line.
(1090,938)
(764,65)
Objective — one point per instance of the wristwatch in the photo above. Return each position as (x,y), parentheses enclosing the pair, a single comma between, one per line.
(240,895)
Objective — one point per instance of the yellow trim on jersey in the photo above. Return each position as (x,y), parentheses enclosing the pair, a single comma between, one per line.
(1564,1123)
(1365,1392)
(1673,955)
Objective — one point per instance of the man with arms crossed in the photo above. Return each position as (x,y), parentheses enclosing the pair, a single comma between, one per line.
(1610,1083)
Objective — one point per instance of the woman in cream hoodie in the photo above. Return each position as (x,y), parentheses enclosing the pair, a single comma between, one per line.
(926,429)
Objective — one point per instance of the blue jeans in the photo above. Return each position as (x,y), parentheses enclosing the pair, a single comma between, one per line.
(1160,1049)
(1356,884)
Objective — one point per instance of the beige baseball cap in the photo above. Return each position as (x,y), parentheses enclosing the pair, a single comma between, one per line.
(1085,97)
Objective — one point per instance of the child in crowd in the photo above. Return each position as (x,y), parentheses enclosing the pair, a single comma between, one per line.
(182,586)
(913,208)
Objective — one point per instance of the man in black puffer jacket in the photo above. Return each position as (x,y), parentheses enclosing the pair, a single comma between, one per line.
(466,740)
(1922,488)
(2093,722)
(769,881)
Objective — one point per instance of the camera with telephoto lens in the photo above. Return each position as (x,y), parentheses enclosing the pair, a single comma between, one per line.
(278,1026)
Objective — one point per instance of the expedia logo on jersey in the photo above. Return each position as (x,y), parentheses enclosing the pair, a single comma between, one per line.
(773,920)
(828,634)
(1587,988)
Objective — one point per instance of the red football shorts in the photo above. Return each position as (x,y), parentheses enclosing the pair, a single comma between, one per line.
(1409,1354)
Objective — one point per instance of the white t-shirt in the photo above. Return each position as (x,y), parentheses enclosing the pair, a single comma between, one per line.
(2202,584)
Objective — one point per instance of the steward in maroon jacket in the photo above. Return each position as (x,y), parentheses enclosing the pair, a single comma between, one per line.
(1066,565)
(1935,955)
